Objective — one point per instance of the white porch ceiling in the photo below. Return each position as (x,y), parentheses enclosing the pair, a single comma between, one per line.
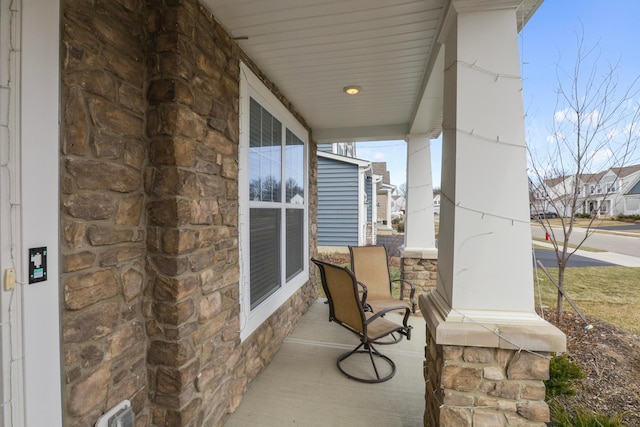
(311,49)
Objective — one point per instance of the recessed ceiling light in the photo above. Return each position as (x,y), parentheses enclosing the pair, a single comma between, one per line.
(352,90)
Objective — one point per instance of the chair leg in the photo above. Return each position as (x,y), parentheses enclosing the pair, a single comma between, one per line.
(394,338)
(371,351)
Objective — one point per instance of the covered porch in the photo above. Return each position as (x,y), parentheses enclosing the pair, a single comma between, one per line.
(146,116)
(302,385)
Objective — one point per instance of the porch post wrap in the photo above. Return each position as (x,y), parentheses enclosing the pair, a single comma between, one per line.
(483,333)
(484,270)
(419,237)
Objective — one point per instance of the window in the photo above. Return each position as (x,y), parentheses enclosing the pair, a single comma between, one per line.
(273,204)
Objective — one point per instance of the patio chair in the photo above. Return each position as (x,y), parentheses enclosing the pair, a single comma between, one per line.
(371,267)
(347,310)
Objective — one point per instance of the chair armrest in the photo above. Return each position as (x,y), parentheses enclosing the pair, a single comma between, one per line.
(364,293)
(388,309)
(412,292)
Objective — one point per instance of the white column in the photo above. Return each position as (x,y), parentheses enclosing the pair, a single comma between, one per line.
(484,266)
(389,198)
(419,236)
(374,207)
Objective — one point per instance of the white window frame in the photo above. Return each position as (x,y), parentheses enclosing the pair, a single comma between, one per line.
(250,320)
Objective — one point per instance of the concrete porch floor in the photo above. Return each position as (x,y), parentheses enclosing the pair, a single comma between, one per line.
(302,385)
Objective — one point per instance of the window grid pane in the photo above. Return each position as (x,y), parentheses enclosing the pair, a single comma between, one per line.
(294,169)
(265,155)
(295,242)
(265,253)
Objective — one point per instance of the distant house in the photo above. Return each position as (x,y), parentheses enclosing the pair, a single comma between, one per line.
(398,205)
(346,199)
(613,192)
(616,184)
(552,196)
(384,190)
(632,197)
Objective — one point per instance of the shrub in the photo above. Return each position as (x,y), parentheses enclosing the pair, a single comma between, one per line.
(581,418)
(630,217)
(400,227)
(562,373)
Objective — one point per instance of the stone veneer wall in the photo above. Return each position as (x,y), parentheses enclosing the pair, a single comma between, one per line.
(102,242)
(421,272)
(149,185)
(478,386)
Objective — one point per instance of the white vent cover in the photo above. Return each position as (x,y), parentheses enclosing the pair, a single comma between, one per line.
(121,415)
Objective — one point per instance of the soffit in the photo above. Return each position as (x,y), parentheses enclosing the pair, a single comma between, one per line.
(311,49)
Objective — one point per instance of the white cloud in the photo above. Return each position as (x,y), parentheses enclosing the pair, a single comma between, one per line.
(599,159)
(568,115)
(378,156)
(555,137)
(565,115)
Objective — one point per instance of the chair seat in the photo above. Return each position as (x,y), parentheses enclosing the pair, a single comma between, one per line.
(380,327)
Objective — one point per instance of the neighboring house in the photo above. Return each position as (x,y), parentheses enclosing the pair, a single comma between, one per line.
(398,205)
(551,196)
(618,185)
(436,204)
(346,201)
(632,198)
(606,193)
(384,190)
(354,198)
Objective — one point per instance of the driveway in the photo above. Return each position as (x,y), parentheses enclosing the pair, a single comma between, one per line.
(548,258)
(634,226)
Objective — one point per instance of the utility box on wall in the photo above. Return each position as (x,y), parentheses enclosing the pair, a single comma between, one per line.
(121,415)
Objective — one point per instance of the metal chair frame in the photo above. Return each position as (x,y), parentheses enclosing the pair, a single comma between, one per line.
(349,312)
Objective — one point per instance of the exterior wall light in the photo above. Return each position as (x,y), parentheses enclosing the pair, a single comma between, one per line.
(352,90)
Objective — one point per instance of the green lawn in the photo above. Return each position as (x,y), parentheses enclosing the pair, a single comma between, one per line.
(606,293)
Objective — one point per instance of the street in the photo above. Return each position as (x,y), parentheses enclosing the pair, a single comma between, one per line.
(622,244)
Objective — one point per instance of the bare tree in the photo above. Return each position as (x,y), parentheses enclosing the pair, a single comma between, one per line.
(594,133)
(401,190)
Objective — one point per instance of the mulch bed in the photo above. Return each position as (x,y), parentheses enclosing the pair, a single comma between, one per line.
(610,358)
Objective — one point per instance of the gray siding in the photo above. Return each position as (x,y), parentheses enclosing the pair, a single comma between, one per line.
(337,203)
(325,147)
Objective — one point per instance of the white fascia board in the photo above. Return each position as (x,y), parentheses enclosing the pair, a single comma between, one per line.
(344,159)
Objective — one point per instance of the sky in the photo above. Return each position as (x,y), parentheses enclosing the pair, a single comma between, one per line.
(548,43)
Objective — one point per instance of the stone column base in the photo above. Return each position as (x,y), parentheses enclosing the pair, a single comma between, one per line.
(492,384)
(421,272)
(481,386)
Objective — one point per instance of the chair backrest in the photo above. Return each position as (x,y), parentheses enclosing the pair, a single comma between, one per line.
(341,288)
(369,264)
